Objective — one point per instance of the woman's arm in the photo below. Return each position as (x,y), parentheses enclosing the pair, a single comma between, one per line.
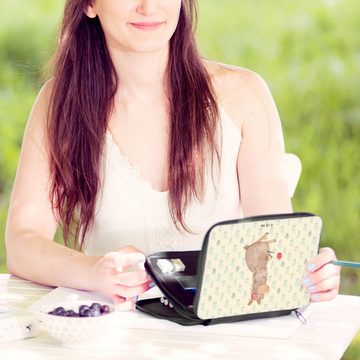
(262,184)
(261,163)
(261,160)
(31,225)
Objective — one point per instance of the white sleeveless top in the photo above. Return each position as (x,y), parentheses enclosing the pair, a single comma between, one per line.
(130,212)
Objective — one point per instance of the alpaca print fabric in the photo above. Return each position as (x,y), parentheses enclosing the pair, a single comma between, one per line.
(258,266)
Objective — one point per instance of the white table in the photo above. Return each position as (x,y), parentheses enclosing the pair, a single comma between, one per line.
(328,332)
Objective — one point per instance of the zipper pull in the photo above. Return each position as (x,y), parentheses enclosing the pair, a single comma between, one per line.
(300,317)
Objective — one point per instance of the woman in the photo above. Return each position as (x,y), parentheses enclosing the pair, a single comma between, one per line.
(131,100)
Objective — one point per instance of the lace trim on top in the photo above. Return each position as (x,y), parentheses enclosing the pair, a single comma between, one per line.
(161,233)
(125,162)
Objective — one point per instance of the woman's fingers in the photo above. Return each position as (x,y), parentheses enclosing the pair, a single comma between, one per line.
(120,260)
(117,299)
(327,271)
(325,295)
(325,256)
(327,284)
(120,275)
(130,292)
(323,279)
(133,278)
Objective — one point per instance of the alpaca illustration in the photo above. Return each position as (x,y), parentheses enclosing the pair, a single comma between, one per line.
(257,256)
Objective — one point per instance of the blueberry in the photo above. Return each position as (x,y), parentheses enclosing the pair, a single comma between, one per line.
(96,306)
(95,311)
(86,313)
(82,309)
(105,309)
(70,313)
(59,311)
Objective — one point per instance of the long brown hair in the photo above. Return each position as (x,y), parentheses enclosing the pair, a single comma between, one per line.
(84,86)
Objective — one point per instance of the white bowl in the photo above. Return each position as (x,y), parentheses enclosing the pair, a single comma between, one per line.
(75,330)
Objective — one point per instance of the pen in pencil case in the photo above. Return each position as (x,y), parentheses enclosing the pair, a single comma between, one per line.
(345,263)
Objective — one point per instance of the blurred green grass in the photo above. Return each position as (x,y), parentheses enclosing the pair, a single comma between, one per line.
(308,52)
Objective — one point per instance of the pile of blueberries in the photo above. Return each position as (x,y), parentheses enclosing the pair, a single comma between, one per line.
(95,309)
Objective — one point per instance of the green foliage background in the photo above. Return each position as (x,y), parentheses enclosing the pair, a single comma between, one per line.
(308,52)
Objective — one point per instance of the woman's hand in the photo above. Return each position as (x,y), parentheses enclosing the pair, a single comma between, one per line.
(120,275)
(323,279)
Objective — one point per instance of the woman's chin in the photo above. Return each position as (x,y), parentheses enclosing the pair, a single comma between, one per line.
(148,47)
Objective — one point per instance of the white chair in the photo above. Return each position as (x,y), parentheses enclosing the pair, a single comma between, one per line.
(293,171)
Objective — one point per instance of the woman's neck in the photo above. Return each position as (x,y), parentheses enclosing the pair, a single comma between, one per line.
(141,75)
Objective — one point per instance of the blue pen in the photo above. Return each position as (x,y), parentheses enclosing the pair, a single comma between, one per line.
(345,263)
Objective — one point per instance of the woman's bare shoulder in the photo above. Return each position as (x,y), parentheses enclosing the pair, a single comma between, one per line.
(241,92)
(37,121)
(40,107)
(45,93)
(230,77)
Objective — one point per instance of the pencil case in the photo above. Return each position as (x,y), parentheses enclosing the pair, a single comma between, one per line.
(247,268)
